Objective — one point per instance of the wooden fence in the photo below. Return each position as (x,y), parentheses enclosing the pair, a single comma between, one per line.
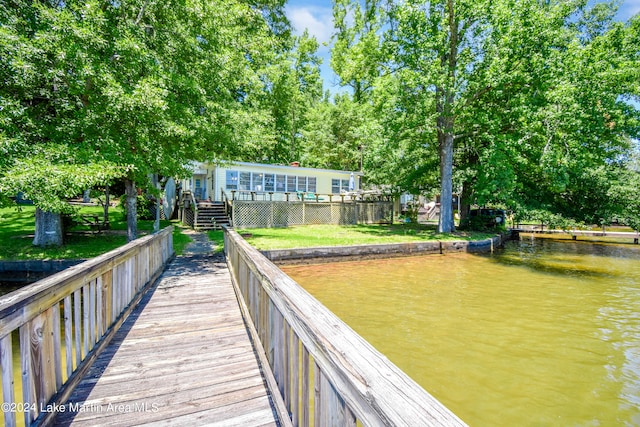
(326,374)
(62,322)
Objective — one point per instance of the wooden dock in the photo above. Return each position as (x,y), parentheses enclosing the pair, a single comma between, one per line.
(183,357)
(574,234)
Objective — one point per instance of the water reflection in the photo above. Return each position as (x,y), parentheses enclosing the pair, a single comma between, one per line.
(542,333)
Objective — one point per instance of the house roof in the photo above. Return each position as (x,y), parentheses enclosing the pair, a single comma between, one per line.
(227,164)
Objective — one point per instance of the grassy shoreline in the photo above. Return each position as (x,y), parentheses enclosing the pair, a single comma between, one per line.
(17,227)
(333,235)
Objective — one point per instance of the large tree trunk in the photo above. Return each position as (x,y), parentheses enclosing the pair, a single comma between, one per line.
(49,229)
(445,223)
(132,209)
(465,205)
(446,124)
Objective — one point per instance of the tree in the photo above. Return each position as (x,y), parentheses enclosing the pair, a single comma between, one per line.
(338,133)
(136,87)
(294,89)
(523,98)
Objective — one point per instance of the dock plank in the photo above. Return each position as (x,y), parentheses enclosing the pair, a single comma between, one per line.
(183,357)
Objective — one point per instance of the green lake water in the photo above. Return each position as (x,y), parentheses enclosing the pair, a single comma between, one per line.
(542,333)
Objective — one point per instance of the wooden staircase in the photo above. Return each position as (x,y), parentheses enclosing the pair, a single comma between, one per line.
(210,216)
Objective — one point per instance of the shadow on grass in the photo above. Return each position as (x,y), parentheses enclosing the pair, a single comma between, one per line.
(17,228)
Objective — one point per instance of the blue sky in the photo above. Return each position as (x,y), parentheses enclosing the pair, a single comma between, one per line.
(317,17)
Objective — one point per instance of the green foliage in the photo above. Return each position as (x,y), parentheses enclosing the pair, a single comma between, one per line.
(338,135)
(49,184)
(549,219)
(532,96)
(145,207)
(97,90)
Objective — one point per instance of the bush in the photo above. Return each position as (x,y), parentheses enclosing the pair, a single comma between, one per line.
(146,208)
(551,220)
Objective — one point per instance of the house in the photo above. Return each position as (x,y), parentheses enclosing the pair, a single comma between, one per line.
(251,181)
(250,195)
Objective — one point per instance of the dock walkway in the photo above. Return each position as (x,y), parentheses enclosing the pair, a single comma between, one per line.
(183,357)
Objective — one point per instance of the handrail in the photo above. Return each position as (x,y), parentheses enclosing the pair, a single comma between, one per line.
(64,320)
(351,380)
(307,196)
(226,201)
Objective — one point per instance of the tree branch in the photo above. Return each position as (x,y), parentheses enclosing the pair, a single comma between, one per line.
(141,13)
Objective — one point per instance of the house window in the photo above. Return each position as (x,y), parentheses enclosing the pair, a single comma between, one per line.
(245,181)
(281,183)
(269,182)
(258,182)
(311,184)
(232,180)
(302,183)
(335,186)
(291,183)
(338,185)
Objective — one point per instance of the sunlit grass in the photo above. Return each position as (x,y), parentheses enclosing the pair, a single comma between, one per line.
(217,236)
(334,235)
(17,227)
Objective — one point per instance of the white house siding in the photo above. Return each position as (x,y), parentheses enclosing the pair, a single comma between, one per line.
(263,178)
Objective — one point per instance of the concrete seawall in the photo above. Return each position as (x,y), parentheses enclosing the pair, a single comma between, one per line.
(31,271)
(344,253)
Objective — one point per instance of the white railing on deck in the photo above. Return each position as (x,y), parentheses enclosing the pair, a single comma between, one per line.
(60,323)
(319,363)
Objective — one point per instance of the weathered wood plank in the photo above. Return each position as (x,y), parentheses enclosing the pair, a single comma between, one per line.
(295,376)
(36,312)
(68,334)
(92,313)
(77,322)
(99,308)
(28,386)
(375,390)
(20,306)
(6,360)
(185,354)
(57,346)
(306,401)
(85,320)
(318,404)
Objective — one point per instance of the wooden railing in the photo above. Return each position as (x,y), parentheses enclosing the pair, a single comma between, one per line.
(227,203)
(304,196)
(325,372)
(62,322)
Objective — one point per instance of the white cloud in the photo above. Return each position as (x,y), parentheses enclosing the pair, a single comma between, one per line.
(318,20)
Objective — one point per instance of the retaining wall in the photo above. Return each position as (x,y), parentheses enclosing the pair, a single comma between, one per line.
(30,271)
(343,253)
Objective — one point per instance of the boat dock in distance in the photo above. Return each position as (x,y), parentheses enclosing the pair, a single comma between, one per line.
(575,234)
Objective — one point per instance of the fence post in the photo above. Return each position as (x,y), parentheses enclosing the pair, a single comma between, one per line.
(271,220)
(355,212)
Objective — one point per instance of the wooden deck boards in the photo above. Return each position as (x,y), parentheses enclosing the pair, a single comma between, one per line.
(183,357)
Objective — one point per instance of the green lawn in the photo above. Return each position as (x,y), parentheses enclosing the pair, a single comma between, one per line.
(333,235)
(17,228)
(217,236)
